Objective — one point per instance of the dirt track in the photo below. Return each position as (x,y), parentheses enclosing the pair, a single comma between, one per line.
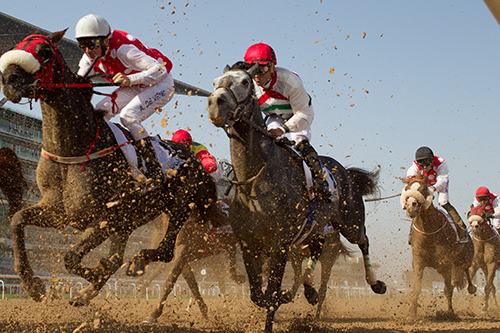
(341,315)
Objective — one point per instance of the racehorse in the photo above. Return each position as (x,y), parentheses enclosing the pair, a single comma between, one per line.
(271,200)
(434,243)
(486,250)
(83,176)
(12,181)
(195,241)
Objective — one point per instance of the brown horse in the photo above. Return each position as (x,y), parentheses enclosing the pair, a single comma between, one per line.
(434,243)
(486,250)
(83,176)
(196,240)
(12,181)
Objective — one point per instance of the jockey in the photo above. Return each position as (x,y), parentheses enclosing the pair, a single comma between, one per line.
(436,170)
(490,203)
(143,74)
(199,151)
(284,99)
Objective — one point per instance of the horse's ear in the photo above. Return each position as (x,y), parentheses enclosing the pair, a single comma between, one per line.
(227,68)
(56,37)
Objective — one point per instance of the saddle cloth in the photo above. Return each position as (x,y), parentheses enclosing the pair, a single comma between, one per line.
(167,158)
(449,219)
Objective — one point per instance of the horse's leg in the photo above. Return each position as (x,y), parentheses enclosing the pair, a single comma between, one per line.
(418,270)
(233,267)
(446,272)
(104,269)
(253,265)
(40,215)
(329,255)
(179,213)
(296,262)
(377,286)
(316,248)
(488,288)
(180,259)
(190,278)
(274,295)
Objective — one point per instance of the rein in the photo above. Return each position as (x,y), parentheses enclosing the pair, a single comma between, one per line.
(431,233)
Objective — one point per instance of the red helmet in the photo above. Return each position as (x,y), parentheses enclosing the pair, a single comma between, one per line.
(482,192)
(260,53)
(182,136)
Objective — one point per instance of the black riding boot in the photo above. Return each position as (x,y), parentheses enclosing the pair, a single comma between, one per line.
(147,151)
(320,185)
(461,228)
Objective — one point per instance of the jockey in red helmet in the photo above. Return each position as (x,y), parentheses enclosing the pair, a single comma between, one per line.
(437,172)
(284,99)
(142,72)
(199,151)
(490,203)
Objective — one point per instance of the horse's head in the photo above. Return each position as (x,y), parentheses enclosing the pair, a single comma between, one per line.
(30,64)
(477,218)
(416,195)
(233,92)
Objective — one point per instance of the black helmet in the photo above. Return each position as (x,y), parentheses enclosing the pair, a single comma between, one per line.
(424,153)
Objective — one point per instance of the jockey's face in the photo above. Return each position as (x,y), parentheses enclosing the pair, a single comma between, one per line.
(425,165)
(263,76)
(93,47)
(483,199)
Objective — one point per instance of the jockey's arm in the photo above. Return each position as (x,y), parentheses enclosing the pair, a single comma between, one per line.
(150,70)
(201,152)
(496,208)
(299,101)
(84,65)
(442,177)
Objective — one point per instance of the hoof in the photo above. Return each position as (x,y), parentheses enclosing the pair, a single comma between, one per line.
(379,287)
(471,289)
(150,320)
(311,294)
(78,302)
(37,289)
(136,267)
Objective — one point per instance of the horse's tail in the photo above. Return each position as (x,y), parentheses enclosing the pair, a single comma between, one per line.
(367,181)
(12,181)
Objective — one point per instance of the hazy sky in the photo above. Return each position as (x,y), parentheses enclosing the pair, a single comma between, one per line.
(386,77)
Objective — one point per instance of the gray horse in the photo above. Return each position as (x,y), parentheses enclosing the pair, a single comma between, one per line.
(271,200)
(84,179)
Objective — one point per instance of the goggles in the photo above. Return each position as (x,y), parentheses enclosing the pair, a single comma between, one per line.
(483,198)
(424,162)
(91,44)
(261,69)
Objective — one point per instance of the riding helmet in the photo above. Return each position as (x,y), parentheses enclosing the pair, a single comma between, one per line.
(260,53)
(182,136)
(424,153)
(92,26)
(482,192)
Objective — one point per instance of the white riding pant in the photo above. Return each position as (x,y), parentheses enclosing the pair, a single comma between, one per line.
(137,103)
(275,121)
(443,197)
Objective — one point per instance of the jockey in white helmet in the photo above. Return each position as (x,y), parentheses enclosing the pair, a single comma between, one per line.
(142,72)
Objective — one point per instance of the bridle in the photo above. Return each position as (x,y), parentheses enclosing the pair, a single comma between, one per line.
(236,115)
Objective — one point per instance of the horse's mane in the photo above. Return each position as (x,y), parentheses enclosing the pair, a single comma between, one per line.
(406,180)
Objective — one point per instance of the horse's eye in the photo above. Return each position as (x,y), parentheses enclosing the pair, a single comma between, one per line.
(245,82)
(44,51)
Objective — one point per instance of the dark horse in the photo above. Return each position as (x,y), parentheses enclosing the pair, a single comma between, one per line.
(434,243)
(271,200)
(486,251)
(85,181)
(12,181)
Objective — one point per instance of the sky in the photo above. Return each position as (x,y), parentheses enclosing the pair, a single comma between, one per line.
(386,77)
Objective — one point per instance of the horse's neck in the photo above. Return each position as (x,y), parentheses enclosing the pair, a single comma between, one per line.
(69,124)
(250,149)
(429,220)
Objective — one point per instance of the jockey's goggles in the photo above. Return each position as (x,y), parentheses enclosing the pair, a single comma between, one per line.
(424,162)
(483,198)
(91,44)
(261,69)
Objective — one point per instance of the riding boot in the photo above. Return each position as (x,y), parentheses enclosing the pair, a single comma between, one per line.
(147,151)
(461,228)
(320,186)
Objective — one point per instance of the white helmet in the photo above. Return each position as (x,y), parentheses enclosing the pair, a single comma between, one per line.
(92,26)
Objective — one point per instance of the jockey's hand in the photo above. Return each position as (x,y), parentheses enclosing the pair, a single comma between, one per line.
(276,132)
(121,79)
